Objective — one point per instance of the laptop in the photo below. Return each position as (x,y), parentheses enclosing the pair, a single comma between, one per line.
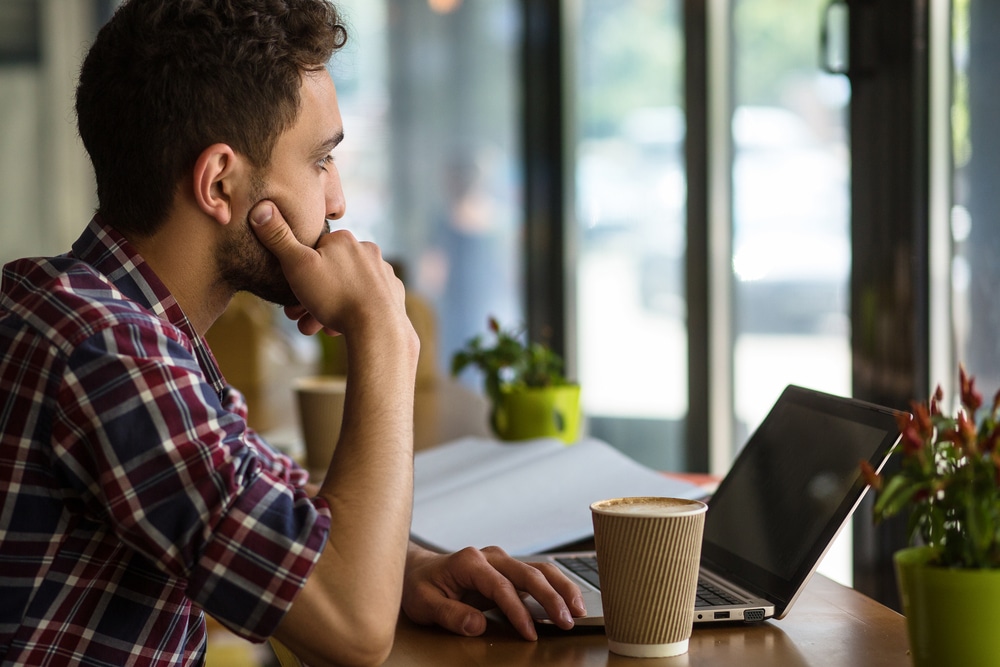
(790,490)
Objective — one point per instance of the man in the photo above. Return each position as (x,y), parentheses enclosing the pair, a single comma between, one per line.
(133,494)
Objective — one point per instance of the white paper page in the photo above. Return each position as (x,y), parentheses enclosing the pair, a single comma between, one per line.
(441,470)
(534,507)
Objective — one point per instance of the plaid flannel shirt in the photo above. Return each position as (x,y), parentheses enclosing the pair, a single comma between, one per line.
(132,493)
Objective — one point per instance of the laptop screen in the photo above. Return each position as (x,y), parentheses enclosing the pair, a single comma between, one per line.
(791,488)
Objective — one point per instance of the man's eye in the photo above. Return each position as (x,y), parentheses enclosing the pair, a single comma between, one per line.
(325,161)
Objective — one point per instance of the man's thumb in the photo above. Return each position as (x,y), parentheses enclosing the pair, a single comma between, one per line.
(262,213)
(271,229)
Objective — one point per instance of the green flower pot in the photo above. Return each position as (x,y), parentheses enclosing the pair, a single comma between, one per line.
(952,615)
(545,412)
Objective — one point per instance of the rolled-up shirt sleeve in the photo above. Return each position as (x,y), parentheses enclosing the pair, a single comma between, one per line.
(149,449)
(280,464)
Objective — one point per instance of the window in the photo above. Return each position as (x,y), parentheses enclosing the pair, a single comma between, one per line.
(791,203)
(630,221)
(430,163)
(789,221)
(975,235)
(39,59)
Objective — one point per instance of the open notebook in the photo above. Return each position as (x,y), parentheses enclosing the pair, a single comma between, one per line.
(525,497)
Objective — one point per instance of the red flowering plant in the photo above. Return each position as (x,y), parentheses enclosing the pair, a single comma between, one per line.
(948,479)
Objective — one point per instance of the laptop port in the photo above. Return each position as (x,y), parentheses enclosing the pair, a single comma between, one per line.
(753,615)
(721,615)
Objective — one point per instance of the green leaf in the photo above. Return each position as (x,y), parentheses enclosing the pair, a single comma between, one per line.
(510,361)
(895,495)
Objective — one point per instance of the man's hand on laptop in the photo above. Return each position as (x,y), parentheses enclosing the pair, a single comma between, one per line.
(451,590)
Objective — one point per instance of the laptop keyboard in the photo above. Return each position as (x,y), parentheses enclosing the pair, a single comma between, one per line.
(585,567)
(713,596)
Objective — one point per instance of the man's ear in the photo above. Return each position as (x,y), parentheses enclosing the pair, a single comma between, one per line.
(214,171)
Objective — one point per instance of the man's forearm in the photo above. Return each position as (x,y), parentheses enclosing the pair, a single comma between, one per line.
(370,482)
(355,590)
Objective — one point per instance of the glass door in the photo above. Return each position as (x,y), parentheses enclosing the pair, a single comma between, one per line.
(791,205)
(630,194)
(975,234)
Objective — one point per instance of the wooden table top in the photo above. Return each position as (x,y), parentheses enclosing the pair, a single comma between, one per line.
(830,625)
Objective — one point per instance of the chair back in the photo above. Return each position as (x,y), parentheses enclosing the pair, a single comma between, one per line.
(284,655)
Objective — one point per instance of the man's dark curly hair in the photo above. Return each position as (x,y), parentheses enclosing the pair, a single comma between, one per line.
(165,79)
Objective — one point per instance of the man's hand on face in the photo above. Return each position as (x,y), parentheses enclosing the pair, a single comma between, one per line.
(340,284)
(452,589)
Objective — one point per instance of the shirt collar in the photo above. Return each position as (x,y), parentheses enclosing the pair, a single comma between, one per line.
(110,253)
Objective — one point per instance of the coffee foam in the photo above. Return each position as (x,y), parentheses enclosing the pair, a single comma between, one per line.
(649,506)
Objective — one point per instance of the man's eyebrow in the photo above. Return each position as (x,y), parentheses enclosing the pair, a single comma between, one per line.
(331,143)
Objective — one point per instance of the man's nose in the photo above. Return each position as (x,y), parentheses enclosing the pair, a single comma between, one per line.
(335,202)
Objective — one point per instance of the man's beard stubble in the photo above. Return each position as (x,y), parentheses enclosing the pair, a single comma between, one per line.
(246,265)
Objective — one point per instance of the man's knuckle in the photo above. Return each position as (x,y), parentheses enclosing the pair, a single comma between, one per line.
(469,555)
(535,575)
(545,569)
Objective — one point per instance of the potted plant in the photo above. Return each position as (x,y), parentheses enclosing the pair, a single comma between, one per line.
(948,478)
(529,397)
